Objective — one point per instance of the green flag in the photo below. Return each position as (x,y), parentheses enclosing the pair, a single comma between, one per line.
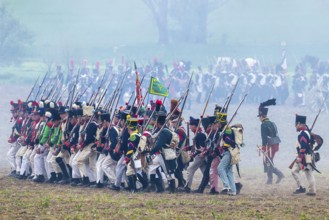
(156,88)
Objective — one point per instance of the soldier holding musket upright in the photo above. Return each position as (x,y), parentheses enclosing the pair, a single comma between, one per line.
(303,160)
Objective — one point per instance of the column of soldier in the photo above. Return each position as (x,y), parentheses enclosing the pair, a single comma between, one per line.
(140,149)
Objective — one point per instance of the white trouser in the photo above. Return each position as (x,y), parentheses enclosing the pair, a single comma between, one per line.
(155,165)
(14,147)
(99,170)
(18,157)
(31,159)
(87,163)
(108,167)
(309,176)
(199,162)
(73,163)
(25,168)
(51,159)
(39,161)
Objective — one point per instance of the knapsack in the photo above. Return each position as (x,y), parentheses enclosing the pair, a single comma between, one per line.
(238,134)
(316,141)
(174,140)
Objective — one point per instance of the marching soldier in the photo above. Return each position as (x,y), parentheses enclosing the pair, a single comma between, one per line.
(225,168)
(73,142)
(120,151)
(86,160)
(132,144)
(199,143)
(111,160)
(164,155)
(304,159)
(270,142)
(63,156)
(16,129)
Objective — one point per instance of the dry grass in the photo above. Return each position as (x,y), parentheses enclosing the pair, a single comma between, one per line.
(27,200)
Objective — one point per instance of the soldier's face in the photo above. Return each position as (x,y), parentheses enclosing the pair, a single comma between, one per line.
(193,128)
(63,116)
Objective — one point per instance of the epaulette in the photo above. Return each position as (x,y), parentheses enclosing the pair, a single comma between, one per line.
(50,124)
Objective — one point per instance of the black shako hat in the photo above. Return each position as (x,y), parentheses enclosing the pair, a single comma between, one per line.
(194,121)
(300,119)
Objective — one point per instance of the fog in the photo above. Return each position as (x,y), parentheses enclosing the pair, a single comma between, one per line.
(105,29)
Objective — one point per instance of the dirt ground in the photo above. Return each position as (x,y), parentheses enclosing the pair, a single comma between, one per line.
(26,200)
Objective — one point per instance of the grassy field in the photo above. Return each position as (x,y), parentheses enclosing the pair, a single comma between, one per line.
(22,199)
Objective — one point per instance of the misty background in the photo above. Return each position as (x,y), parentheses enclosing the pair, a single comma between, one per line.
(197,30)
(56,31)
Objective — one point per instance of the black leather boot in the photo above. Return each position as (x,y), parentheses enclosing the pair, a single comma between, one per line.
(172,186)
(65,176)
(151,186)
(39,179)
(132,183)
(159,185)
(269,175)
(52,178)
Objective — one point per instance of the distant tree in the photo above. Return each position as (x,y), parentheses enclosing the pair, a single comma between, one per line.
(189,19)
(14,37)
(159,10)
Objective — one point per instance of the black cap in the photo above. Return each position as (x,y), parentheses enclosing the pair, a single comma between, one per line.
(106,117)
(194,121)
(78,112)
(300,119)
(262,111)
(212,119)
(205,123)
(161,117)
(62,110)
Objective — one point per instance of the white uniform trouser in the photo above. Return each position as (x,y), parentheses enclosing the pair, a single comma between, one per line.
(99,170)
(73,163)
(87,162)
(120,170)
(108,167)
(25,168)
(39,162)
(18,157)
(14,147)
(155,164)
(51,159)
(198,162)
(309,176)
(31,159)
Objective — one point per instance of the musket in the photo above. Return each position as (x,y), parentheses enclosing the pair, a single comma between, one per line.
(83,92)
(93,116)
(310,130)
(226,105)
(35,83)
(99,87)
(316,118)
(204,111)
(116,91)
(185,98)
(163,101)
(43,81)
(74,87)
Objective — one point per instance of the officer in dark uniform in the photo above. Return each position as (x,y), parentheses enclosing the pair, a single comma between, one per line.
(270,142)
